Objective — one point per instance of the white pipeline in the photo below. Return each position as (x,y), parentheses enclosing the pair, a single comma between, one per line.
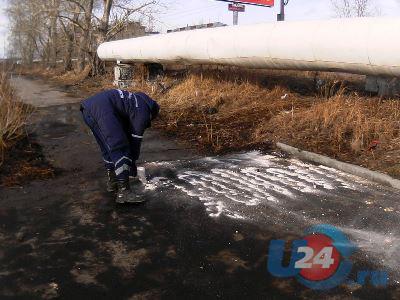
(368,46)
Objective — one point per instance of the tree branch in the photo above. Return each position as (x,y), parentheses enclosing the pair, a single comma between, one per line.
(72,21)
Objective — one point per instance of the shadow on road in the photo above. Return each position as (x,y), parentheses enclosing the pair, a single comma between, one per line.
(67,238)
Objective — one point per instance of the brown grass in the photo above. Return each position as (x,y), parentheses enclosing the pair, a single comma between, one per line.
(339,124)
(26,171)
(38,70)
(220,109)
(73,77)
(220,114)
(13,116)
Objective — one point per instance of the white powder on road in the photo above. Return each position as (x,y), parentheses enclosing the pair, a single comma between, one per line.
(271,191)
(228,184)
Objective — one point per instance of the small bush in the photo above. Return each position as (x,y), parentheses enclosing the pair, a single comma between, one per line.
(13,116)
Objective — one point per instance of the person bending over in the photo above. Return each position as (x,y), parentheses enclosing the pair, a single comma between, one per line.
(118,120)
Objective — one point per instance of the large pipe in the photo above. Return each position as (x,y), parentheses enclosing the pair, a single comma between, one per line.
(367,46)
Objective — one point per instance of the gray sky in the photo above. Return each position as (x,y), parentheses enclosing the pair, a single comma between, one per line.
(188,12)
(184,12)
(3,28)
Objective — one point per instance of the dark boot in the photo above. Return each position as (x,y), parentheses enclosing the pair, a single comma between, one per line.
(112,183)
(125,194)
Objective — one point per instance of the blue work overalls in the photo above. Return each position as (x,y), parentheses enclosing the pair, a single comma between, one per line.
(118,120)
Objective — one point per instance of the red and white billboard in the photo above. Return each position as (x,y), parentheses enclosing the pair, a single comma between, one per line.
(268,3)
(236,7)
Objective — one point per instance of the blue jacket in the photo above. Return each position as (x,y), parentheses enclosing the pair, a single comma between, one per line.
(122,117)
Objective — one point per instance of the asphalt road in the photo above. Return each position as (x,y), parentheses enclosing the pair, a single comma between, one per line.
(204,233)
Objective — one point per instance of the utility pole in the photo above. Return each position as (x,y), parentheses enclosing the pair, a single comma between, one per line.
(236,8)
(281,16)
(235,17)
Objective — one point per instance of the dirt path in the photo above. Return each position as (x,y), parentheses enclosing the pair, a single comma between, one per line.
(204,233)
(39,93)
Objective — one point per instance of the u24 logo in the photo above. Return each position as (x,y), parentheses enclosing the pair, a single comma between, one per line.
(321,260)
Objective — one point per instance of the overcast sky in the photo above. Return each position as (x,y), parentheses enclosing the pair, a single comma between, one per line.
(184,12)
(188,12)
(3,28)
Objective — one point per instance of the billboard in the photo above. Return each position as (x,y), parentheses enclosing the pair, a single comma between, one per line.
(236,7)
(268,3)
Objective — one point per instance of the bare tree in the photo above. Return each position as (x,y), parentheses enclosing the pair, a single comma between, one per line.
(50,8)
(115,15)
(342,8)
(86,31)
(60,29)
(354,8)
(28,36)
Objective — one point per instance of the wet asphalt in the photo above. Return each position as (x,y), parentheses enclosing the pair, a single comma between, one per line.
(204,233)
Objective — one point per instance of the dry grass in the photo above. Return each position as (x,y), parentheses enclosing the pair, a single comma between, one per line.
(221,114)
(13,116)
(72,77)
(38,70)
(339,124)
(219,109)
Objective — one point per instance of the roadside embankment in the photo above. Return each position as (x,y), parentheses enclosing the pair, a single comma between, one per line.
(222,109)
(20,156)
(220,112)
(13,116)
